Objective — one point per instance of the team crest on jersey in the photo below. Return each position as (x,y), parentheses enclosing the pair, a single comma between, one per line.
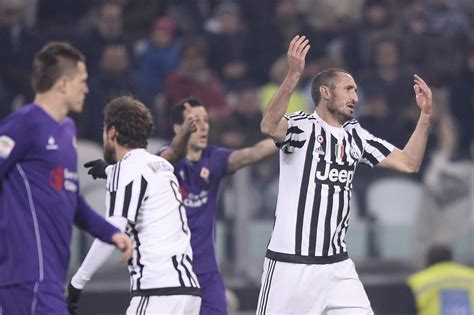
(320,139)
(354,153)
(318,150)
(339,151)
(205,174)
(6,146)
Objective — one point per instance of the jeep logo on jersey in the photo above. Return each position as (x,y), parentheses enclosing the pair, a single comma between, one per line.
(335,174)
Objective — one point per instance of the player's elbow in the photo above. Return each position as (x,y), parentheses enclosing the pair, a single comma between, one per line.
(267,128)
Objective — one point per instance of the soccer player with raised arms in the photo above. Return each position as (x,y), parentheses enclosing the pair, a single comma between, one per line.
(39,188)
(307,269)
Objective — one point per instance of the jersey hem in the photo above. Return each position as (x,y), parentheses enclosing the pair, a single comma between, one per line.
(167,291)
(313,260)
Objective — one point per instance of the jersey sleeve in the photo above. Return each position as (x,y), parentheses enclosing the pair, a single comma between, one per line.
(88,220)
(126,190)
(15,137)
(375,149)
(295,135)
(220,159)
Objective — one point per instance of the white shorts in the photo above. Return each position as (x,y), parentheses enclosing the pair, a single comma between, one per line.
(332,289)
(164,304)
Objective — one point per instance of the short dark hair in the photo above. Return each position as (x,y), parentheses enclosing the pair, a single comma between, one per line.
(438,253)
(326,77)
(51,62)
(131,118)
(177,116)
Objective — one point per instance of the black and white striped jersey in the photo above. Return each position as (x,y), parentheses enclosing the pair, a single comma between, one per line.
(317,165)
(142,188)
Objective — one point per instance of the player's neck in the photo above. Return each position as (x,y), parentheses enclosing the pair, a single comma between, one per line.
(193,154)
(327,116)
(121,151)
(50,104)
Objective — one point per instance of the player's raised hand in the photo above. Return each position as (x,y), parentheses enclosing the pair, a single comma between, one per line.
(423,95)
(296,55)
(124,243)
(189,124)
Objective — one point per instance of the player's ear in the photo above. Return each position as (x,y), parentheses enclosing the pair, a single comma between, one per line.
(325,93)
(61,83)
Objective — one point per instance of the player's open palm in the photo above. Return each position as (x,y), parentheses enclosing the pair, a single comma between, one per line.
(296,55)
(423,95)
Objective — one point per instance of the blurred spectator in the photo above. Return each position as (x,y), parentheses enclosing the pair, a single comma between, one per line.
(388,73)
(377,22)
(443,287)
(194,78)
(56,15)
(446,200)
(434,34)
(115,78)
(107,28)
(229,45)
(277,74)
(16,53)
(273,33)
(332,15)
(242,127)
(160,55)
(461,103)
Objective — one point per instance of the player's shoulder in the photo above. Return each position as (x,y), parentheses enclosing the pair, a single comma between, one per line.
(140,161)
(27,114)
(351,124)
(298,116)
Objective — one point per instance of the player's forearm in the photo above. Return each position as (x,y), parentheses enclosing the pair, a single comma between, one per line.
(96,257)
(278,104)
(414,150)
(178,147)
(253,154)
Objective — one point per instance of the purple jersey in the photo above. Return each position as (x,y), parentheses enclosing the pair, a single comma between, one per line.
(39,197)
(199,182)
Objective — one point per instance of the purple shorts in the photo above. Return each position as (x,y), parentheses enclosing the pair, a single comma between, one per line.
(32,298)
(213,294)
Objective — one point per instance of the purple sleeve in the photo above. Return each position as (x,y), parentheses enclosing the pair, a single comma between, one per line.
(15,138)
(162,149)
(220,159)
(88,220)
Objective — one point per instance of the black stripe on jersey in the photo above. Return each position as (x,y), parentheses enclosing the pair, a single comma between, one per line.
(294,129)
(186,270)
(327,223)
(119,164)
(126,199)
(303,192)
(339,219)
(345,222)
(146,304)
(350,122)
(358,141)
(139,255)
(182,208)
(379,146)
(315,219)
(180,276)
(298,114)
(317,201)
(295,143)
(113,195)
(143,186)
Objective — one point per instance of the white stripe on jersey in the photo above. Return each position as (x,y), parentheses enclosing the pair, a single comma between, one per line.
(143,189)
(317,165)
